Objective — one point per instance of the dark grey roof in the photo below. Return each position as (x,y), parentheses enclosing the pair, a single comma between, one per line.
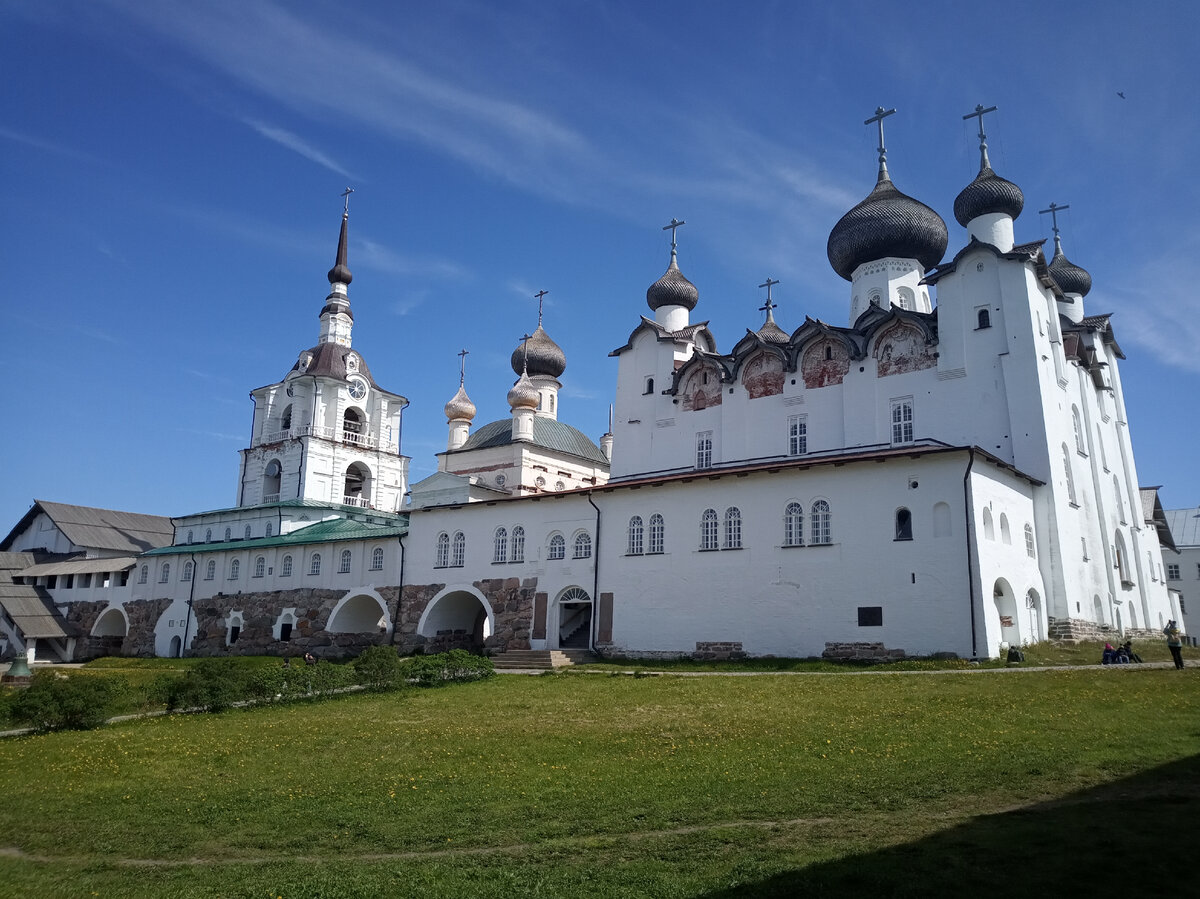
(101,529)
(886,223)
(539,355)
(772,333)
(340,273)
(329,360)
(1184,525)
(988,193)
(672,289)
(1069,276)
(687,332)
(548,433)
(30,607)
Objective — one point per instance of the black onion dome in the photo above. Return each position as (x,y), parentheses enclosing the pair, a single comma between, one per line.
(988,193)
(1069,276)
(672,289)
(539,356)
(886,223)
(340,273)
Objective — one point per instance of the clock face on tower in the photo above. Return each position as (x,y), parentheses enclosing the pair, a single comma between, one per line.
(358,388)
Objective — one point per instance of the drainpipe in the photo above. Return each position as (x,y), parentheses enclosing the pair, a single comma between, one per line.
(242,483)
(400,590)
(187,622)
(969,521)
(595,577)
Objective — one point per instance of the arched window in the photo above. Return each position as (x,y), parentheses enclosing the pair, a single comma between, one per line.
(518,544)
(344,562)
(733,528)
(1120,499)
(210,570)
(458,555)
(657,534)
(583,546)
(1030,549)
(442,558)
(821,523)
(636,533)
(187,571)
(228,534)
(1122,562)
(1079,444)
(272,476)
(285,421)
(649,385)
(1070,475)
(904,524)
(983,319)
(500,545)
(270,529)
(793,524)
(989,529)
(1100,444)
(165,574)
(285,567)
(208,536)
(314,565)
(1005,533)
(558,547)
(260,566)
(235,568)
(377,558)
(189,537)
(708,529)
(144,574)
(246,533)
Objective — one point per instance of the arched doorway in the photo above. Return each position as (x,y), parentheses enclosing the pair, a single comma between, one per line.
(1006,613)
(574,619)
(1098,609)
(357,489)
(1033,617)
(360,613)
(111,624)
(457,618)
(176,647)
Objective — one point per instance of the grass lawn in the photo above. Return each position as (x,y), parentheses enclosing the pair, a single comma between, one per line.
(618,786)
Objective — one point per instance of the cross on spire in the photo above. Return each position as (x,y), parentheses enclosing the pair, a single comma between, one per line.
(979,113)
(1054,210)
(525,338)
(675,223)
(880,115)
(538,296)
(768,306)
(346,196)
(462,365)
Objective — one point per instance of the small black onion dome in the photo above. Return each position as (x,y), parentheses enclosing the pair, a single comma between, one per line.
(986,194)
(672,289)
(1070,277)
(771,332)
(886,223)
(539,356)
(340,273)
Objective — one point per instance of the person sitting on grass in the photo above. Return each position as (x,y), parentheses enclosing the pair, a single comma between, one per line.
(1110,655)
(1127,649)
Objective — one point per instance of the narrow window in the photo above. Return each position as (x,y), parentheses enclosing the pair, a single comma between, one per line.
(234,633)
(500,546)
(1030,549)
(142,575)
(235,568)
(904,524)
(165,574)
(210,570)
(228,534)
(518,544)
(1083,543)
(187,571)
(189,540)
(443,551)
(989,529)
(459,554)
(829,349)
(583,546)
(1120,499)
(822,533)
(941,520)
(246,533)
(793,525)
(733,528)
(558,547)
(285,569)
(285,631)
(260,566)
(208,536)
(649,386)
(1005,533)
(344,562)
(314,565)
(797,435)
(377,558)
(704,449)
(1071,478)
(708,529)
(635,535)
(1100,444)
(1079,444)
(657,533)
(983,319)
(270,529)
(902,421)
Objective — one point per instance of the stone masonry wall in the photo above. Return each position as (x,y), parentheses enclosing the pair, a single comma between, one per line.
(83,615)
(861,652)
(511,600)
(1078,630)
(143,618)
(718,651)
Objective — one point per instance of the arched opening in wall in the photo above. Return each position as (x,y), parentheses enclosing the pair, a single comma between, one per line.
(353,430)
(941,520)
(176,648)
(989,529)
(456,619)
(272,477)
(1133,617)
(1033,616)
(234,626)
(285,420)
(1097,610)
(574,619)
(357,490)
(1006,611)
(1117,613)
(1005,531)
(361,613)
(111,623)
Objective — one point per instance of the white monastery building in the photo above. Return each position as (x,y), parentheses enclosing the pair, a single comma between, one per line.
(964,430)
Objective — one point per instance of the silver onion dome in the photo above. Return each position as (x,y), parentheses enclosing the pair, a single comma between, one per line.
(523,395)
(460,407)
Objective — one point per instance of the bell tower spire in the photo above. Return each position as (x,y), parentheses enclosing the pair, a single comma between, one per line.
(337,320)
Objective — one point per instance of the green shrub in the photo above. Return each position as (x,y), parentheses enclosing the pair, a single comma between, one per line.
(55,701)
(379,668)
(212,685)
(455,666)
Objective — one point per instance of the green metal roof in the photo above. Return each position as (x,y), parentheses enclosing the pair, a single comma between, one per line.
(548,433)
(321,532)
(294,504)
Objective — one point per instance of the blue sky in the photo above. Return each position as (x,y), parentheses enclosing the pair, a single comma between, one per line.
(173,171)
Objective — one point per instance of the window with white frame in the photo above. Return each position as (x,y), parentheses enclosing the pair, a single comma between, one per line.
(1172,571)
(270,529)
(344,562)
(1120,499)
(164,573)
(1030,549)
(228,534)
(442,558)
(210,570)
(208,536)
(314,565)
(187,572)
(634,537)
(797,435)
(657,534)
(1071,477)
(285,567)
(821,529)
(733,528)
(235,569)
(458,550)
(377,558)
(902,421)
(708,530)
(144,574)
(558,547)
(500,545)
(793,524)
(518,544)
(246,533)
(704,447)
(583,546)
(1080,446)
(189,539)
(260,566)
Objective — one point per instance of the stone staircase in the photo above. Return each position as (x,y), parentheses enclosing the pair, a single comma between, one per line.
(541,659)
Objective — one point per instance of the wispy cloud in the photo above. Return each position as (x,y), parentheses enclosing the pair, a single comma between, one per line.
(297,144)
(215,435)
(374,255)
(39,143)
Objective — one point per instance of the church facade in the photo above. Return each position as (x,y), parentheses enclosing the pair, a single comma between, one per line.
(950,471)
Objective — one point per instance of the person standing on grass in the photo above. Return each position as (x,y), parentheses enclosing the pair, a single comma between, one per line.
(1174,642)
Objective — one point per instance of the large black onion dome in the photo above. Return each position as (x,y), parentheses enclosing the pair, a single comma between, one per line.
(340,273)
(988,193)
(539,356)
(1069,276)
(672,289)
(886,223)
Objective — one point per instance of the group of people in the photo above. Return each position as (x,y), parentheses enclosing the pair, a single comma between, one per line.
(1122,655)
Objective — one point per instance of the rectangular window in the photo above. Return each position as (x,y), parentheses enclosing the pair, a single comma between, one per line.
(902,421)
(1182,606)
(1172,572)
(1084,541)
(870,616)
(797,435)
(704,449)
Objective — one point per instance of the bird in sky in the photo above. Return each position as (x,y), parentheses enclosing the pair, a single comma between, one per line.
(1121,94)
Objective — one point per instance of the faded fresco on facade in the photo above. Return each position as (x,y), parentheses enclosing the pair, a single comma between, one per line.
(701,389)
(902,348)
(825,364)
(763,376)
